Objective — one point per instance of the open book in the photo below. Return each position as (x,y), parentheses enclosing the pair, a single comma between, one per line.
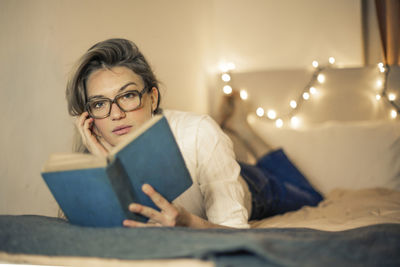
(96,191)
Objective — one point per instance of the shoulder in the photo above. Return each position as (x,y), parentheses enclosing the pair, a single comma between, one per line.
(198,131)
(184,121)
(182,117)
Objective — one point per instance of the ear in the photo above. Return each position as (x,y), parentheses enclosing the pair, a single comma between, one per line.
(154,98)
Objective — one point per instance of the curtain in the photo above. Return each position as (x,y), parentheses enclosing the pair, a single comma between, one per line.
(388,13)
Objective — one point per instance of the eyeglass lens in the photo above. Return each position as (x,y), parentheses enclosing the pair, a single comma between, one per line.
(101,108)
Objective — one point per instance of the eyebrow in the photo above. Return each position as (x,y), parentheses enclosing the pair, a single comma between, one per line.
(121,89)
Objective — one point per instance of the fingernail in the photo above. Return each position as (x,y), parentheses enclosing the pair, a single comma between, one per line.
(145,188)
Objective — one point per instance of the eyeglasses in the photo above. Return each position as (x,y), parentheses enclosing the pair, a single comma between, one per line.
(100,108)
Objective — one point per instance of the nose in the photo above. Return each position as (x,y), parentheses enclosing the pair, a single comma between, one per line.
(116,112)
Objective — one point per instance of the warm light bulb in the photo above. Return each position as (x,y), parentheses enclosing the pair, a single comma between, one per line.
(332,60)
(315,64)
(226,77)
(379,83)
(279,123)
(321,78)
(313,91)
(227,89)
(382,69)
(243,94)
(393,113)
(260,112)
(380,65)
(293,104)
(378,97)
(392,97)
(295,122)
(306,96)
(271,114)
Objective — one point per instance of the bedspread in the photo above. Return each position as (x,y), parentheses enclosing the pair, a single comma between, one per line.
(368,246)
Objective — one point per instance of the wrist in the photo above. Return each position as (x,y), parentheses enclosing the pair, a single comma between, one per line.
(184,217)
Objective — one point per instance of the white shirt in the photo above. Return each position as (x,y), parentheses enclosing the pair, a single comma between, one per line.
(218,194)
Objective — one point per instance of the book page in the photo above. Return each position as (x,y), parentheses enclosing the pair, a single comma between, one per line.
(72,161)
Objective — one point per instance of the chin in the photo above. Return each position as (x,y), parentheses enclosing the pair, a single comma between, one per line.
(117,139)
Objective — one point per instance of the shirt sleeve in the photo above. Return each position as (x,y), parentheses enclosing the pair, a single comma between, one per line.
(218,177)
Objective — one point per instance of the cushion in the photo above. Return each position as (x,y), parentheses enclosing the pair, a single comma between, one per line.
(349,155)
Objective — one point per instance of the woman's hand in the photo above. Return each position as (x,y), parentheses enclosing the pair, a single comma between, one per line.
(90,137)
(170,215)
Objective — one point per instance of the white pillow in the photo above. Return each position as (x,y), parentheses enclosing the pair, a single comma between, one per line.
(350,155)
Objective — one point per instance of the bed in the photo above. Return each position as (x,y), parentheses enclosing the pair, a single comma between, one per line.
(350,152)
(358,222)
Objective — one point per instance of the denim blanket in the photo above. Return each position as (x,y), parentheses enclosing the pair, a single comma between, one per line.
(377,245)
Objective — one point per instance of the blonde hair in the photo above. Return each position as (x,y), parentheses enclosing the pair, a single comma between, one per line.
(106,54)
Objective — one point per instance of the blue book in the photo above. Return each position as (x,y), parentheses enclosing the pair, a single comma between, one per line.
(96,191)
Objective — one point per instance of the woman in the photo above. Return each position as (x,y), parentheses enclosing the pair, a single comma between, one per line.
(113,91)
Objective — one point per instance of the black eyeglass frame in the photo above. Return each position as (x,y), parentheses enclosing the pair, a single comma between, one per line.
(115,100)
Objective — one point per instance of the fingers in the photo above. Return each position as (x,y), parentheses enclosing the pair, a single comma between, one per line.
(80,122)
(159,200)
(167,217)
(148,212)
(84,123)
(135,224)
(100,139)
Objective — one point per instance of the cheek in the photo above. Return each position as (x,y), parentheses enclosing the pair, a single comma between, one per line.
(143,114)
(139,116)
(103,128)
(100,126)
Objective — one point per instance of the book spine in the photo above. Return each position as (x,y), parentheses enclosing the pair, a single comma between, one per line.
(123,188)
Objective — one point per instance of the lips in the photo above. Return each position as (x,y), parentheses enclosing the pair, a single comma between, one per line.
(121,130)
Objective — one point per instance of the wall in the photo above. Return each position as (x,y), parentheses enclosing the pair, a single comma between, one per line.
(347,94)
(42,39)
(293,32)
(183,40)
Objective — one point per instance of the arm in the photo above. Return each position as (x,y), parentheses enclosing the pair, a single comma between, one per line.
(217,175)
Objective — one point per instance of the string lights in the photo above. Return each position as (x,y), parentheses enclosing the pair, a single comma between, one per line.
(388,96)
(310,90)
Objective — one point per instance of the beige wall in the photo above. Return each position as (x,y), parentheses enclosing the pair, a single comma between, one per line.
(261,34)
(183,40)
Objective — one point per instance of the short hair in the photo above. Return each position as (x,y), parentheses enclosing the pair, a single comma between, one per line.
(107,54)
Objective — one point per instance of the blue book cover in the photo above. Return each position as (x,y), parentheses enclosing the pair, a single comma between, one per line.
(94,191)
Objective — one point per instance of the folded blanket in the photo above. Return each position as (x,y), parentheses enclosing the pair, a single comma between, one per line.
(370,246)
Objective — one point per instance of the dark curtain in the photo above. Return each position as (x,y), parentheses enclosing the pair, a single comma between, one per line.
(388,12)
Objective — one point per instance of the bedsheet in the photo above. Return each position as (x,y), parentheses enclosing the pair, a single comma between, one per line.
(370,246)
(342,209)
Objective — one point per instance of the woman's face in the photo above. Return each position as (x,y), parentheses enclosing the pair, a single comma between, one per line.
(108,83)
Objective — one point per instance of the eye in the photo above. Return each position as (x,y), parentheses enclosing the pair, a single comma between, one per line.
(99,104)
(129,95)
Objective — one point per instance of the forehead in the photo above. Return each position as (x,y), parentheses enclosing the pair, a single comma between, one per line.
(107,82)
